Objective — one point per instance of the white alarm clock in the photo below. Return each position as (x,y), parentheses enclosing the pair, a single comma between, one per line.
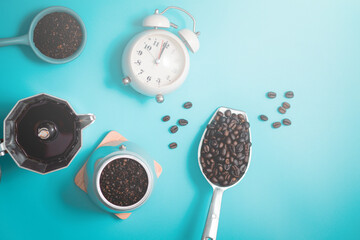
(156,61)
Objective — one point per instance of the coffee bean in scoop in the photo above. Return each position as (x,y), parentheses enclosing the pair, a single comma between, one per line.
(225,148)
(227,113)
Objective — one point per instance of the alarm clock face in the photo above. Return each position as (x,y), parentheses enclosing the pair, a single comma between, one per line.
(158,59)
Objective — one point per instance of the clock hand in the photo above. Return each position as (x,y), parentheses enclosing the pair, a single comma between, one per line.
(162,45)
(157,61)
(151,55)
(161,51)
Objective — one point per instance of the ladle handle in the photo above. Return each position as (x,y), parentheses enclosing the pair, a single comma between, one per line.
(23,40)
(212,221)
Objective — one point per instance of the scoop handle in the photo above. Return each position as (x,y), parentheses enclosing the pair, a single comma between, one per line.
(212,221)
(23,40)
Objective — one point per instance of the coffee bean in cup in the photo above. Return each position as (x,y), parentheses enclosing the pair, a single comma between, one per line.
(58,35)
(225,148)
(123,182)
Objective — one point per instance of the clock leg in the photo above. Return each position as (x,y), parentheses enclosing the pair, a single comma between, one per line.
(159,98)
(126,81)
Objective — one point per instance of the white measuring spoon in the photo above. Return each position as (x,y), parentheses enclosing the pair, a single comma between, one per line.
(212,221)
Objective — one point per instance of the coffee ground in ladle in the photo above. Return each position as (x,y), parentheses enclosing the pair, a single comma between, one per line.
(58,35)
(123,182)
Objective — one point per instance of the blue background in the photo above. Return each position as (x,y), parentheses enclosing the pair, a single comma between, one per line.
(303,182)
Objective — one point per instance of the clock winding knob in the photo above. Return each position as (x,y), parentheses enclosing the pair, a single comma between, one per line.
(160,98)
(126,81)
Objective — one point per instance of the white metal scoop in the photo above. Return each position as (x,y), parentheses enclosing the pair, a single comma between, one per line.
(212,221)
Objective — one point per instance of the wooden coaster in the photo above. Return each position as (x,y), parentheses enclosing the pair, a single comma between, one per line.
(113,138)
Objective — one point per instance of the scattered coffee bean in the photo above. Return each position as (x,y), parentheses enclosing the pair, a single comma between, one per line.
(174,129)
(58,35)
(123,182)
(183,122)
(166,118)
(187,105)
(173,145)
(289,94)
(263,118)
(282,110)
(225,147)
(276,124)
(286,105)
(271,95)
(286,121)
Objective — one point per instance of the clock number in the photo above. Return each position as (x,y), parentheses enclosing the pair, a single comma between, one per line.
(158,80)
(138,62)
(168,78)
(147,47)
(156,43)
(139,52)
(148,79)
(141,71)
